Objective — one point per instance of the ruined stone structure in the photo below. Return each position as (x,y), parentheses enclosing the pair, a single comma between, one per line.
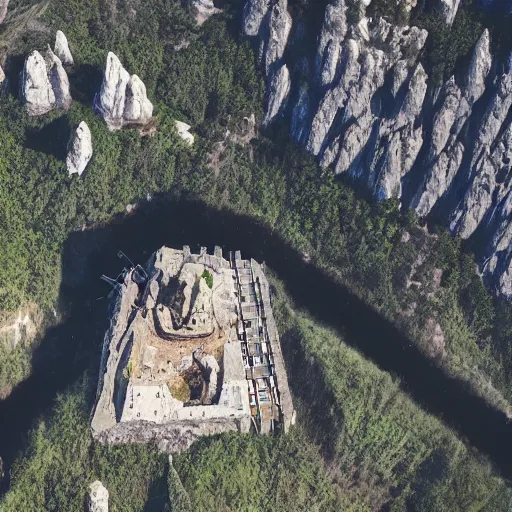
(192,350)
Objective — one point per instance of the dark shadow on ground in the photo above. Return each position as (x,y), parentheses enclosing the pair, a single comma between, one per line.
(75,345)
(52,139)
(85,81)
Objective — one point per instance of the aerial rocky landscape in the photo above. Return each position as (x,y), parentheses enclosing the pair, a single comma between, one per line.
(366,107)
(357,153)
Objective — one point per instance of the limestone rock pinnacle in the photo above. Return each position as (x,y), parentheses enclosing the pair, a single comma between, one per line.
(80,151)
(122,99)
(97,500)
(37,90)
(61,49)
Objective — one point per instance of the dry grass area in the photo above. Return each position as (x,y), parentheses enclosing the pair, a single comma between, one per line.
(179,388)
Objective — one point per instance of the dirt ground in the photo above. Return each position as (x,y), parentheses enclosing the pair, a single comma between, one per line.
(168,351)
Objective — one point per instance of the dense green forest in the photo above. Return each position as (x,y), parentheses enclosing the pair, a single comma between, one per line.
(381,447)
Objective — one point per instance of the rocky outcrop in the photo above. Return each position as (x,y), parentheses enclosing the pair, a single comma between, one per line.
(376,49)
(36,88)
(3,9)
(497,266)
(184,132)
(80,151)
(44,83)
(445,153)
(449,9)
(278,94)
(329,44)
(363,105)
(61,49)
(97,499)
(58,79)
(254,13)
(204,9)
(490,162)
(122,99)
(278,30)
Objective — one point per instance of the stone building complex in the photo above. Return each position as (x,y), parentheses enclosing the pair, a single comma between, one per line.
(192,350)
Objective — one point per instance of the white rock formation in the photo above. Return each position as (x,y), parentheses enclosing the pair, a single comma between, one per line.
(278,94)
(486,163)
(44,83)
(440,178)
(80,152)
(280,24)
(2,76)
(138,109)
(497,266)
(204,9)
(254,13)
(58,80)
(330,41)
(479,67)
(3,9)
(122,99)
(365,106)
(375,49)
(300,116)
(97,500)
(449,9)
(446,152)
(61,49)
(37,90)
(183,132)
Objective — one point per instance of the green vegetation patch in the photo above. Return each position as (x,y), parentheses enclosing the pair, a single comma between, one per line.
(208,277)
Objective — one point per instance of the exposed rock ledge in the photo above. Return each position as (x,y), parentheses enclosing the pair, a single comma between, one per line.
(122,100)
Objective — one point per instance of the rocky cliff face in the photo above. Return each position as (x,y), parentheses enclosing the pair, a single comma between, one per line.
(364,106)
(122,99)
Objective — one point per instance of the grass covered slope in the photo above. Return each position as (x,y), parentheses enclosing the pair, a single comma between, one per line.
(360,443)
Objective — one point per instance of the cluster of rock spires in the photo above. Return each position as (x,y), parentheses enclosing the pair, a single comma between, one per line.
(45,83)
(122,99)
(45,87)
(364,106)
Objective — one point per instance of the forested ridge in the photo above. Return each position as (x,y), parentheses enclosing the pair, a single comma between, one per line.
(383,449)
